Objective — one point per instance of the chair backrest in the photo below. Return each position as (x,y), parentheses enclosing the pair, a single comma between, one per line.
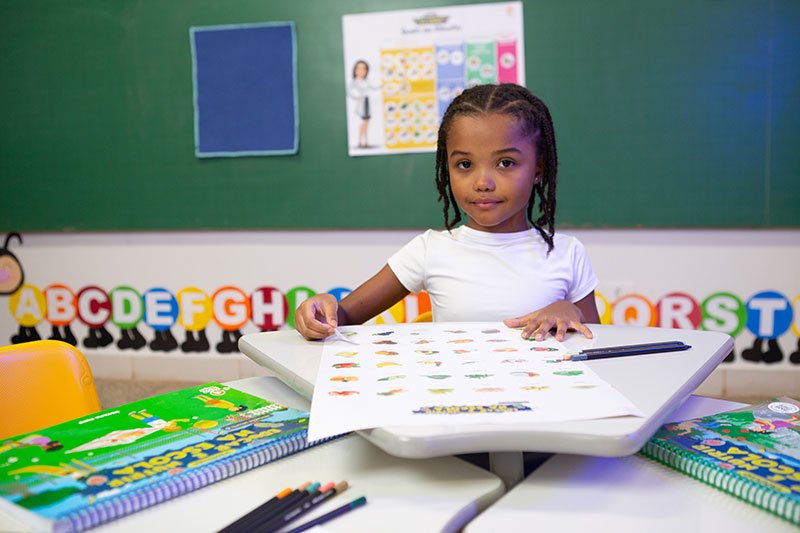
(43,383)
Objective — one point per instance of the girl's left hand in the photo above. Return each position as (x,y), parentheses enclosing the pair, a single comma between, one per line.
(561,315)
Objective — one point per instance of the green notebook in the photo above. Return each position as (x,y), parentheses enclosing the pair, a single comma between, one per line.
(82,473)
(752,453)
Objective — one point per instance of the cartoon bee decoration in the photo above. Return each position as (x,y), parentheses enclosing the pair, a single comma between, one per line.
(11,274)
(11,279)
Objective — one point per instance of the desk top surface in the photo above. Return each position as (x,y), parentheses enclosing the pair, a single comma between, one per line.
(655,383)
(626,494)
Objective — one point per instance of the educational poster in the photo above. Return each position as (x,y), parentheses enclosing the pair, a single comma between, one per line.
(452,373)
(403,68)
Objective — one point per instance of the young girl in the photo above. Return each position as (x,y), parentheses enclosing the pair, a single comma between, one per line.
(495,160)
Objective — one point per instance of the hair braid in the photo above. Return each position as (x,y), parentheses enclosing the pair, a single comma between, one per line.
(532,113)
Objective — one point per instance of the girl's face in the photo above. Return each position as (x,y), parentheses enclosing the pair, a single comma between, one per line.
(361,70)
(493,168)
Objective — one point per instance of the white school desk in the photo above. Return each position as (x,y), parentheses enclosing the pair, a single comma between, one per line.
(440,494)
(625,495)
(655,383)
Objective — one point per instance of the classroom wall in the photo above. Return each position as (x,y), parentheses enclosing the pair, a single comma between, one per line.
(644,274)
(658,107)
(677,115)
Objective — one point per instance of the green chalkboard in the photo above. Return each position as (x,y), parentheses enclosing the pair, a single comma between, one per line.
(668,114)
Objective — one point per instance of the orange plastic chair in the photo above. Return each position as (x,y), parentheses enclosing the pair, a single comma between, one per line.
(43,383)
(427,316)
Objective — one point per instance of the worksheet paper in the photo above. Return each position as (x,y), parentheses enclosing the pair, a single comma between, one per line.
(459,373)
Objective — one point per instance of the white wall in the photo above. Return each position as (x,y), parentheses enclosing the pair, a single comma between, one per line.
(650,263)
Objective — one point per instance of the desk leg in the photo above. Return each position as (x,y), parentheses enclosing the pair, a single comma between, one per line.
(507,466)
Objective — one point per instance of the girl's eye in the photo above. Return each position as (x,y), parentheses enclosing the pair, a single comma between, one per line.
(463,165)
(506,163)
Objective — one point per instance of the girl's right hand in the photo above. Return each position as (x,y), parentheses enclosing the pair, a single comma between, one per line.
(316,317)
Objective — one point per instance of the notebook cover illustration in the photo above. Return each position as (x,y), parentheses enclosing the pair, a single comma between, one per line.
(752,453)
(90,470)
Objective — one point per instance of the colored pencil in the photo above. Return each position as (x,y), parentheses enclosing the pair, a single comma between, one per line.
(266,509)
(239,523)
(358,502)
(630,349)
(627,346)
(305,505)
(276,521)
(287,502)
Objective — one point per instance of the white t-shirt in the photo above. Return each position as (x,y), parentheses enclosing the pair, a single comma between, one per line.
(473,275)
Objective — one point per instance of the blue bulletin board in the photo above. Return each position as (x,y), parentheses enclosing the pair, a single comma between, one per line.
(245,89)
